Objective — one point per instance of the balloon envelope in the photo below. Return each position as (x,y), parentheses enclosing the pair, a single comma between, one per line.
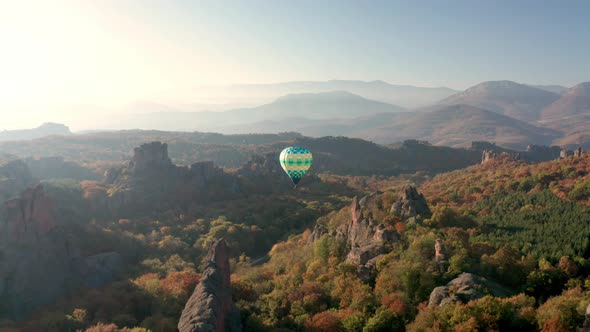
(296,161)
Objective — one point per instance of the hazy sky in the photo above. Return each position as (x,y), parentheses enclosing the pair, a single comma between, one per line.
(108,53)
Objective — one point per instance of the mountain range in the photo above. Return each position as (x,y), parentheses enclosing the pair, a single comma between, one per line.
(511,114)
(257,94)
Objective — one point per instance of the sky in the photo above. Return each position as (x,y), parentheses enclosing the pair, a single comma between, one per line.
(56,55)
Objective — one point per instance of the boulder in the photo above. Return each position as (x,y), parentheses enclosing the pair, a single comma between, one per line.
(210,308)
(464,288)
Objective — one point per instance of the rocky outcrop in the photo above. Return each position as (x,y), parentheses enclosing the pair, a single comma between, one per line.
(365,236)
(150,156)
(28,217)
(440,251)
(487,155)
(148,159)
(410,204)
(538,153)
(565,154)
(39,260)
(318,231)
(490,155)
(15,176)
(150,180)
(210,308)
(440,255)
(464,288)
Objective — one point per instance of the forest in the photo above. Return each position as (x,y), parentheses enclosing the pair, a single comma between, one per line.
(517,230)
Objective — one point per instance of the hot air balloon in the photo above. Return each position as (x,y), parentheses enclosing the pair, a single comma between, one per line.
(296,161)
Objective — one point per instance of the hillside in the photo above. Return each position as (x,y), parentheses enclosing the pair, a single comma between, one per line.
(459,125)
(575,130)
(574,101)
(560,176)
(478,258)
(512,99)
(372,260)
(452,125)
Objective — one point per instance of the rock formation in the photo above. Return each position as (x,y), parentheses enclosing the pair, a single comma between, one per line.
(150,156)
(565,154)
(210,308)
(538,153)
(440,251)
(410,204)
(15,176)
(464,288)
(440,256)
(28,217)
(365,236)
(487,155)
(148,159)
(39,260)
(490,155)
(151,179)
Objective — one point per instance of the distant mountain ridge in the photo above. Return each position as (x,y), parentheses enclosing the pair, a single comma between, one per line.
(449,125)
(403,95)
(46,129)
(519,101)
(552,88)
(323,105)
(316,106)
